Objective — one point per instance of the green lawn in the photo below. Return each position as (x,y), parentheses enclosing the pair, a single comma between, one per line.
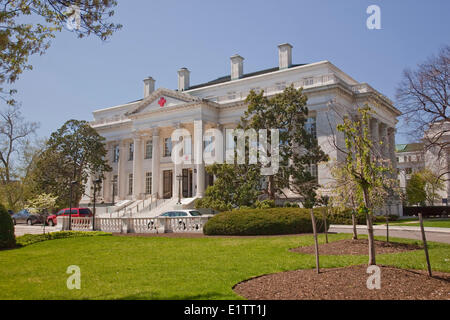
(436,223)
(170,268)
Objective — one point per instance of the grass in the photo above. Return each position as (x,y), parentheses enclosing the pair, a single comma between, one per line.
(414,222)
(171,268)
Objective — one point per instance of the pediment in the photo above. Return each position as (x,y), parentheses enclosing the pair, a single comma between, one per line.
(163,98)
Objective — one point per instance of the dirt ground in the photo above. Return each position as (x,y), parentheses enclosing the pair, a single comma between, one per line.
(357,247)
(347,284)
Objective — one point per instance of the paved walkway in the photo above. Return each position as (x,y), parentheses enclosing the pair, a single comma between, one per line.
(20,230)
(432,234)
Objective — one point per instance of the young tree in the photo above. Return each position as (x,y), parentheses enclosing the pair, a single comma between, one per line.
(367,172)
(73,153)
(346,193)
(15,134)
(42,204)
(26,27)
(298,149)
(423,97)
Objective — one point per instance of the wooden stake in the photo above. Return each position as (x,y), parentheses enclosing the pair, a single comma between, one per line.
(325,222)
(313,221)
(387,229)
(425,246)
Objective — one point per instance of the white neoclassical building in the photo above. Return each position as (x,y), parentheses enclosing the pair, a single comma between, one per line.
(138,134)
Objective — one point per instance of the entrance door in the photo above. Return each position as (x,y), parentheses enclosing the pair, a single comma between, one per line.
(167,184)
(187,183)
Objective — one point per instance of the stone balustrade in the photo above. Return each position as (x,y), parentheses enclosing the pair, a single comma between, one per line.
(136,225)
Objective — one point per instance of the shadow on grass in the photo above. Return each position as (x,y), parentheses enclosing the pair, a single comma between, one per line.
(157,296)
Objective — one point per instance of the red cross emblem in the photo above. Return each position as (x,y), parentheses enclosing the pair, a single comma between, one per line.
(162,102)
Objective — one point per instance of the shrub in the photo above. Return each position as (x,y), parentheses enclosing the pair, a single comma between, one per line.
(28,239)
(272,221)
(345,217)
(7,237)
(265,204)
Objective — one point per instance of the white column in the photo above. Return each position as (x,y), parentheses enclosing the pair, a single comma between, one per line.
(137,168)
(198,157)
(391,147)
(177,170)
(384,139)
(122,183)
(155,164)
(374,134)
(106,185)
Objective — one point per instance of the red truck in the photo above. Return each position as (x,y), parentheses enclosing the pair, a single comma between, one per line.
(76,212)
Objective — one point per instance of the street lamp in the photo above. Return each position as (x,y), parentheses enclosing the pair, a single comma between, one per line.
(179,177)
(70,207)
(96,183)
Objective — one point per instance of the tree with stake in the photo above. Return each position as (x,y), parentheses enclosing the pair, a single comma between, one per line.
(367,171)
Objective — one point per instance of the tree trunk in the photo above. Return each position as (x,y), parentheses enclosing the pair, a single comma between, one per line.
(372,260)
(316,242)
(325,224)
(355,232)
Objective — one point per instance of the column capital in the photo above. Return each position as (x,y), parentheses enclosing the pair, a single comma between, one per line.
(155,131)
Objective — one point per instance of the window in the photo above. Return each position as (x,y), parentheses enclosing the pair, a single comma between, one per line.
(311,127)
(231,95)
(195,213)
(116,153)
(114,184)
(148,182)
(167,147)
(131,151)
(308,81)
(313,170)
(148,149)
(130,184)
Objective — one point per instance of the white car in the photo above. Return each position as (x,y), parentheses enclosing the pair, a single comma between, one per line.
(181,213)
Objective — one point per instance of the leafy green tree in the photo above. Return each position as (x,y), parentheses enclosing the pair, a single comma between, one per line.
(367,172)
(73,153)
(424,187)
(27,26)
(415,190)
(235,186)
(298,149)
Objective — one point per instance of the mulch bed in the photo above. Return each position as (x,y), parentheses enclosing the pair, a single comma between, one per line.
(346,284)
(357,247)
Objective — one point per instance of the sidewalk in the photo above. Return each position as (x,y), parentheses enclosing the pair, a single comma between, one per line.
(432,234)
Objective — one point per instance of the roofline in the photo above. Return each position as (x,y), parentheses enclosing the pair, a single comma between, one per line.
(258,76)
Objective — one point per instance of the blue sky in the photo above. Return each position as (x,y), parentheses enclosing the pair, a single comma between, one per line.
(77,76)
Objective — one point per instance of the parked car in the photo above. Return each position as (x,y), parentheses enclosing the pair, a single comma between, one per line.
(25,216)
(52,220)
(181,213)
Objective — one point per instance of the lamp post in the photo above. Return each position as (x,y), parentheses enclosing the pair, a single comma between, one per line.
(179,178)
(72,183)
(96,182)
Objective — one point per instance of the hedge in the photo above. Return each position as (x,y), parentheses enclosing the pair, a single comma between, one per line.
(275,221)
(7,238)
(28,239)
(272,221)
